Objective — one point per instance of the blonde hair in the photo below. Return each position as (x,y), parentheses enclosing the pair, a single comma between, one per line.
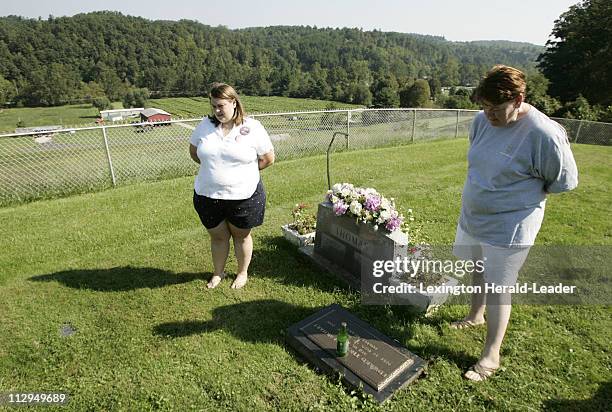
(500,84)
(227,92)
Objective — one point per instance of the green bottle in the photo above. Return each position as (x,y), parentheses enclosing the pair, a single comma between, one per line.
(342,341)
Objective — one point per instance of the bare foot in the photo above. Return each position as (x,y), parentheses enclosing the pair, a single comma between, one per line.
(240,281)
(215,280)
(466,323)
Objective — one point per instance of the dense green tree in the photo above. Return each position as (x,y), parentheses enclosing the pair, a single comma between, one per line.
(417,95)
(92,90)
(470,74)
(52,85)
(385,91)
(537,86)
(285,74)
(359,93)
(7,91)
(579,109)
(136,98)
(458,101)
(449,73)
(319,88)
(605,115)
(101,103)
(435,87)
(113,87)
(339,82)
(577,58)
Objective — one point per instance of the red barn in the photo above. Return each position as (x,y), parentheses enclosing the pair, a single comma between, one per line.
(155,116)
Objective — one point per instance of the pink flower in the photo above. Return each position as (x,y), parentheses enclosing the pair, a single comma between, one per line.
(393,224)
(372,203)
(340,207)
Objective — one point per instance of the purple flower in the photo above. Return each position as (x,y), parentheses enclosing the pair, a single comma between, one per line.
(372,203)
(340,207)
(393,224)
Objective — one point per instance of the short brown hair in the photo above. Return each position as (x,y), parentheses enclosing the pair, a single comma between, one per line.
(227,92)
(500,84)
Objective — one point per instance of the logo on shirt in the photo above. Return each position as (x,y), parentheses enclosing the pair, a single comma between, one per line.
(244,130)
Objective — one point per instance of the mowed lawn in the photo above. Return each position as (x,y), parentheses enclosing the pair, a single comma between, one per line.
(126,270)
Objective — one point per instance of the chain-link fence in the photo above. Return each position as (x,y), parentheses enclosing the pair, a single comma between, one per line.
(587,132)
(301,134)
(38,165)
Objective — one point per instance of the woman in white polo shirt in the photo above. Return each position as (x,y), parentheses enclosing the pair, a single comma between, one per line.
(228,194)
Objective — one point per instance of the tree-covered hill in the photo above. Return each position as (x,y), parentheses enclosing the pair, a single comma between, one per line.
(69,59)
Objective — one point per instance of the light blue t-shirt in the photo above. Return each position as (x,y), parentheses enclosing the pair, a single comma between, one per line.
(510,171)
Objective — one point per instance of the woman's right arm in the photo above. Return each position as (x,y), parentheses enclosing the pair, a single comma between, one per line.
(193,152)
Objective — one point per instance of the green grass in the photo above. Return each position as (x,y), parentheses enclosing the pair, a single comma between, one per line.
(195,107)
(69,115)
(127,269)
(181,107)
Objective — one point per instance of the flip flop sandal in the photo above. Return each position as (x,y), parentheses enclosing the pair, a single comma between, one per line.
(464,324)
(479,373)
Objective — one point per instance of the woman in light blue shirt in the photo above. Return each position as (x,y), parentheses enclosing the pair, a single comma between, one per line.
(517,156)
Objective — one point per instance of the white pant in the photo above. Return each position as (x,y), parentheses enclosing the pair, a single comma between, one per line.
(501,264)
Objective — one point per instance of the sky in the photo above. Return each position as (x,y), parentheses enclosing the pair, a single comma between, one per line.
(457,20)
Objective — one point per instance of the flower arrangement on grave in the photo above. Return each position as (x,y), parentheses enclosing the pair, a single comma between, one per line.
(366,205)
(303,221)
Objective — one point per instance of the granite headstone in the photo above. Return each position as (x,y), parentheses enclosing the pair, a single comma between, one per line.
(375,363)
(353,247)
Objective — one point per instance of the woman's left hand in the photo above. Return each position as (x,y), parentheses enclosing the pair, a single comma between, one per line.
(266,160)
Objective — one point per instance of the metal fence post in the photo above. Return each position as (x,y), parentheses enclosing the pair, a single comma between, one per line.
(348,127)
(413,124)
(108,156)
(457,124)
(578,131)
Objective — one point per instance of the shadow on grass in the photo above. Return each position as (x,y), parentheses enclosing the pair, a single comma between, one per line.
(281,261)
(119,279)
(258,321)
(266,321)
(599,402)
(412,320)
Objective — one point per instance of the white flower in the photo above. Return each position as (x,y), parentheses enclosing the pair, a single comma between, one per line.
(385,215)
(355,207)
(337,187)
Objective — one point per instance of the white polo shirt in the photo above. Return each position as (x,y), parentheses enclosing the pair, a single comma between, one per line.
(229,167)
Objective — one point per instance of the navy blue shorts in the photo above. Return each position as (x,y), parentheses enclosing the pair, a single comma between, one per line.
(244,214)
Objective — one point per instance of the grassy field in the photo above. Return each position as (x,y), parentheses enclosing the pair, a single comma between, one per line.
(126,268)
(181,107)
(194,107)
